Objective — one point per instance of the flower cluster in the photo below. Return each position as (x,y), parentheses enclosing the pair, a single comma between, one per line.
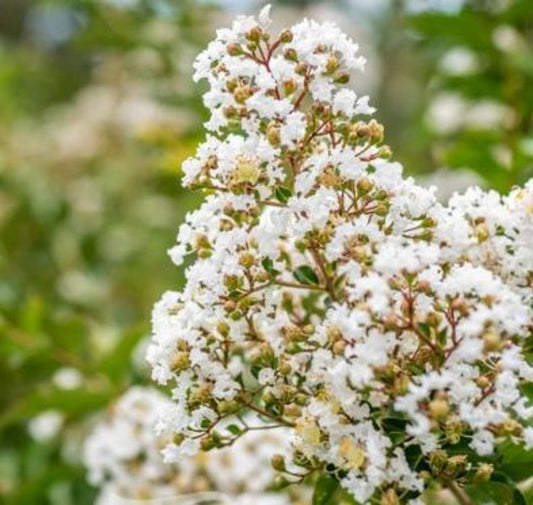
(123,458)
(330,294)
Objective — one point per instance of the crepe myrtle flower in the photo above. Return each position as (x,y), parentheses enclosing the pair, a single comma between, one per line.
(125,459)
(330,294)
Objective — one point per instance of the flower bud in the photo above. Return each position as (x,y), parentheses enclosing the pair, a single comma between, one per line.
(455,466)
(342,78)
(385,152)
(401,385)
(483,381)
(364,185)
(390,497)
(273,135)
(254,34)
(241,94)
(332,64)
(230,306)
(376,131)
(234,49)
(223,328)
(339,347)
(207,443)
(225,407)
(491,341)
(180,361)
(439,409)
(301,69)
(291,55)
(484,472)
(278,462)
(286,36)
(437,461)
(482,232)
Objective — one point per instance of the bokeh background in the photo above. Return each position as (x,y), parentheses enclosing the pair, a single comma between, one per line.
(97,111)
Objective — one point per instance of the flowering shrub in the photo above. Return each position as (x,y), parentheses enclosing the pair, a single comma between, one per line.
(333,296)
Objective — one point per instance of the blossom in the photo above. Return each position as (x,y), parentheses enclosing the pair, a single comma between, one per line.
(330,295)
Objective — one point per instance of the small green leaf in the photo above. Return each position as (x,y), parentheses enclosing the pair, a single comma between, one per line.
(325,488)
(282,194)
(306,275)
(268,265)
(234,429)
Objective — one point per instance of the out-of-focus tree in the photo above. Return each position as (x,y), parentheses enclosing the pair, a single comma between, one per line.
(97,110)
(480,91)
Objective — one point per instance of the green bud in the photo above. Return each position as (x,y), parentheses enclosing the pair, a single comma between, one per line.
(286,36)
(291,55)
(342,78)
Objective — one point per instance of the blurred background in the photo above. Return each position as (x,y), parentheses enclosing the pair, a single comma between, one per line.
(97,112)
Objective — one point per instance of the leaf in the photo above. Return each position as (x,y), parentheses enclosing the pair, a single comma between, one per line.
(282,194)
(74,403)
(325,488)
(306,275)
(268,265)
(234,429)
(495,493)
(517,462)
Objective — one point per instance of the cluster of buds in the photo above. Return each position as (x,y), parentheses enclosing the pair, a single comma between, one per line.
(338,299)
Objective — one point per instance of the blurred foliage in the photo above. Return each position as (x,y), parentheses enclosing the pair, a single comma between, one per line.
(97,110)
(481,88)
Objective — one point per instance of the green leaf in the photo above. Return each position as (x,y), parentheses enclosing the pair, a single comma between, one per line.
(325,488)
(517,462)
(495,493)
(234,429)
(282,194)
(306,275)
(268,265)
(116,363)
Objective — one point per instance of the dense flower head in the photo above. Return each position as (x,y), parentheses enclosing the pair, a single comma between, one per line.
(332,295)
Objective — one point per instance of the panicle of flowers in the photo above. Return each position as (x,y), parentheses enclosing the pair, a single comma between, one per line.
(330,294)
(123,456)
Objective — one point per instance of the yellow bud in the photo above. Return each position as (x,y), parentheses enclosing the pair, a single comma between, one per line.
(241,94)
(278,462)
(273,135)
(491,341)
(180,361)
(482,232)
(390,497)
(364,185)
(339,347)
(332,64)
(439,409)
(484,472)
